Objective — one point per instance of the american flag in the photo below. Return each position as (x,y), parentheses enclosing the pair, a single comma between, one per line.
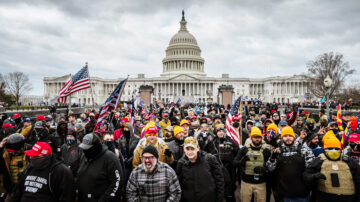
(79,81)
(234,112)
(111,103)
(132,110)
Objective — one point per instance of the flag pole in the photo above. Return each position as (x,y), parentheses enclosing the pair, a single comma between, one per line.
(120,93)
(240,134)
(70,99)
(91,88)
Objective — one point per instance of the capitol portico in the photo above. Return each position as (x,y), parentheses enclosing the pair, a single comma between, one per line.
(183,76)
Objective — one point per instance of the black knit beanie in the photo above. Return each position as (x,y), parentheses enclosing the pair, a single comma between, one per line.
(152,150)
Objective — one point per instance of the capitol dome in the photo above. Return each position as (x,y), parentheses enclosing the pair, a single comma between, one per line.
(183,55)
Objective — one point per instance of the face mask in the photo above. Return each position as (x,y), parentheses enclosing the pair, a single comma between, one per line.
(93,151)
(236,125)
(311,127)
(249,127)
(70,141)
(40,163)
(42,134)
(333,154)
(110,144)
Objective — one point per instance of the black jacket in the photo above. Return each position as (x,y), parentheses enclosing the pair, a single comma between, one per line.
(99,179)
(315,167)
(177,149)
(225,149)
(59,184)
(202,181)
(72,156)
(127,144)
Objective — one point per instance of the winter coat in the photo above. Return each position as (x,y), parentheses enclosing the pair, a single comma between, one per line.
(161,147)
(99,178)
(71,156)
(54,183)
(177,149)
(202,181)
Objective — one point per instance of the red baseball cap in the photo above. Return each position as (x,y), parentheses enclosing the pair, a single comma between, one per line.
(38,149)
(236,118)
(165,114)
(17,115)
(354,137)
(151,130)
(40,118)
(7,125)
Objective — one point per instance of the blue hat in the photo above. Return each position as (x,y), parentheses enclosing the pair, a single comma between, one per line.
(27,120)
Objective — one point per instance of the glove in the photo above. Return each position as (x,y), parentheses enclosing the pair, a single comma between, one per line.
(319,176)
(167,152)
(259,170)
(274,155)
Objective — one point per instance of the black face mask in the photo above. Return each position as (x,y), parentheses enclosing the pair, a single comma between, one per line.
(93,151)
(110,145)
(40,163)
(126,133)
(42,133)
(236,124)
(311,127)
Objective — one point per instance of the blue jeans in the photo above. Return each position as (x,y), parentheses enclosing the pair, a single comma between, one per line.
(296,199)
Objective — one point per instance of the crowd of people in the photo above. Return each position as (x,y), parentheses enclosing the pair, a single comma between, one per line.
(181,152)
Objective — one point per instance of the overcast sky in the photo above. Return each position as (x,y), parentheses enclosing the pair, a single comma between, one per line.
(253,38)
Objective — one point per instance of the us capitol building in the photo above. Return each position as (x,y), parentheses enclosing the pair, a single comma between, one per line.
(183,76)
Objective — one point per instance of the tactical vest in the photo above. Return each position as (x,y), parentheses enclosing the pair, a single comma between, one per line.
(226,151)
(17,165)
(256,159)
(346,182)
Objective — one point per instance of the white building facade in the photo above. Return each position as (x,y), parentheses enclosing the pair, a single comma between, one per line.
(183,76)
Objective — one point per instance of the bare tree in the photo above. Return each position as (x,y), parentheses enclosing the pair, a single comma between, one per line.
(328,64)
(17,84)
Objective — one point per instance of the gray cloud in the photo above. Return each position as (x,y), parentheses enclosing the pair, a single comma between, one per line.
(248,38)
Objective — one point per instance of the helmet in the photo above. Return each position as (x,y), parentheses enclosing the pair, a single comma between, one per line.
(15,142)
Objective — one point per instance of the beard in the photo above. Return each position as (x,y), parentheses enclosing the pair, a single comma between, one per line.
(149,170)
(289,144)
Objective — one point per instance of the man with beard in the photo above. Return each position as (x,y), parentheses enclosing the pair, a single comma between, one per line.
(289,163)
(70,152)
(168,134)
(200,174)
(195,125)
(205,138)
(15,161)
(176,146)
(45,179)
(310,125)
(18,121)
(99,174)
(251,159)
(153,180)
